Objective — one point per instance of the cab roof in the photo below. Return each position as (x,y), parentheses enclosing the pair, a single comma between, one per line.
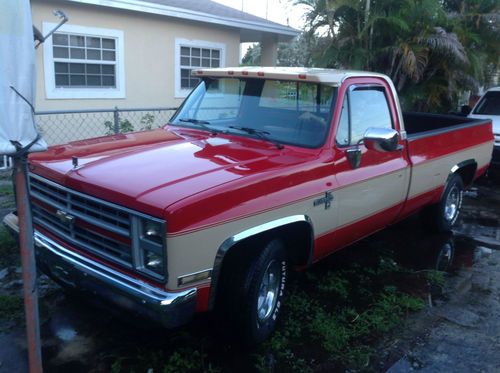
(316,75)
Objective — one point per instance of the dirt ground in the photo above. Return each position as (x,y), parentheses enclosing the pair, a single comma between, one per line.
(457,331)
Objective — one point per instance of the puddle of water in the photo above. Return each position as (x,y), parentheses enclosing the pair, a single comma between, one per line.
(66,334)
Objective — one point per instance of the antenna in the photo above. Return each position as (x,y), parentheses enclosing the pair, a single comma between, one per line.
(39,36)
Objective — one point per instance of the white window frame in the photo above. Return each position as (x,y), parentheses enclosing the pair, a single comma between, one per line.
(53,92)
(182,92)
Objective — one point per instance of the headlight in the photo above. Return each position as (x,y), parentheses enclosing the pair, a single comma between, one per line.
(151,247)
(153,261)
(152,231)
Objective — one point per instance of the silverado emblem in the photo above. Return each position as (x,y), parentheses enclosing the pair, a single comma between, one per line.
(64,217)
(326,200)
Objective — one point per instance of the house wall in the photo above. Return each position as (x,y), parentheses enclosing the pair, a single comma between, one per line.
(149,52)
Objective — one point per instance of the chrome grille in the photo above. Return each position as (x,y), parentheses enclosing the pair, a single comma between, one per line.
(98,227)
(83,238)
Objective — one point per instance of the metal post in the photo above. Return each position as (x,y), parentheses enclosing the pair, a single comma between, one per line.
(116,120)
(28,263)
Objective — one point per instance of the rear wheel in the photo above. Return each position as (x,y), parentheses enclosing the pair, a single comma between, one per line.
(443,216)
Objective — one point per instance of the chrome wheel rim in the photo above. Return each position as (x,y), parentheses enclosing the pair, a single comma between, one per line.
(268,291)
(452,204)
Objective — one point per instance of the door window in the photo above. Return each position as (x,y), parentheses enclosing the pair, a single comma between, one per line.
(363,107)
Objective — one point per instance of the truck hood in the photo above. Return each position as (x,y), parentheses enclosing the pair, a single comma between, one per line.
(148,171)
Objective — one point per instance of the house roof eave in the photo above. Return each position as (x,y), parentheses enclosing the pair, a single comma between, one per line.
(283,32)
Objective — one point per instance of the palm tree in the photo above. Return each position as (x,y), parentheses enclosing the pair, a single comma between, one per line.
(418,43)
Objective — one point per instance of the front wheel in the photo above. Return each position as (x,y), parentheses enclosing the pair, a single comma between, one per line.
(263,290)
(444,215)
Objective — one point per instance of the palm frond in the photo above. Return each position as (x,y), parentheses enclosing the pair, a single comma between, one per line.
(445,44)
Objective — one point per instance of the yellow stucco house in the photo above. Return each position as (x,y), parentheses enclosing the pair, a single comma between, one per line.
(131,53)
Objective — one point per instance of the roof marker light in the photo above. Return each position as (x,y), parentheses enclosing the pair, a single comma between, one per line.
(230,72)
(244,73)
(260,73)
(302,76)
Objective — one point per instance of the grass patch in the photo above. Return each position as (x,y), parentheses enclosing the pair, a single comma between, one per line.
(6,190)
(182,359)
(338,319)
(11,308)
(8,248)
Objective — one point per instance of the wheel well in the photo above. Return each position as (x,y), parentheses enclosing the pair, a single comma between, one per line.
(297,238)
(467,173)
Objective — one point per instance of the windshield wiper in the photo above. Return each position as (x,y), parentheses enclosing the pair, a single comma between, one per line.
(264,135)
(202,123)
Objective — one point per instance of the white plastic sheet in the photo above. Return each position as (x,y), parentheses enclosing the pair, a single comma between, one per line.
(17,70)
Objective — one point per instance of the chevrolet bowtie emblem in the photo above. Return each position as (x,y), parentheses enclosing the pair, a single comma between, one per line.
(64,217)
(326,200)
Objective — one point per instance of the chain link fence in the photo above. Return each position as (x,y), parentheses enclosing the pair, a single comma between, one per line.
(5,162)
(62,126)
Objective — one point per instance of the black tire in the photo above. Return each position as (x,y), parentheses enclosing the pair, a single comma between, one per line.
(259,318)
(240,301)
(442,216)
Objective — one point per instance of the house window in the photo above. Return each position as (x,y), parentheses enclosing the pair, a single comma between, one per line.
(192,58)
(83,62)
(193,54)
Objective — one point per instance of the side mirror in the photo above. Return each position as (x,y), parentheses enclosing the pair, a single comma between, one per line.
(465,109)
(381,139)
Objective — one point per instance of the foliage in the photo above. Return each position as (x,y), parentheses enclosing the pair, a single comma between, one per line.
(125,126)
(6,190)
(147,122)
(433,50)
(296,53)
(11,308)
(435,278)
(8,248)
(184,360)
(351,307)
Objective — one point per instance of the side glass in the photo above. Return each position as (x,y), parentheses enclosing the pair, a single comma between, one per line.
(369,108)
(342,137)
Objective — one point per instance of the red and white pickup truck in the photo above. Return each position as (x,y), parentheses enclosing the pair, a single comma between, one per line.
(261,169)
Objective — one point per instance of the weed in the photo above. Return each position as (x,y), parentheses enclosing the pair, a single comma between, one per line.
(6,190)
(147,122)
(8,248)
(116,367)
(386,313)
(335,284)
(124,126)
(11,308)
(184,360)
(350,308)
(331,330)
(435,278)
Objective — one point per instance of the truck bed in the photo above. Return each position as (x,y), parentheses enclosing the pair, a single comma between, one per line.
(436,143)
(423,124)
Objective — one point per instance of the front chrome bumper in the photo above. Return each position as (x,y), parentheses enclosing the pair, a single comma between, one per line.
(75,271)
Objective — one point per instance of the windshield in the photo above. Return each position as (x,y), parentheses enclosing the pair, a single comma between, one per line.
(279,111)
(489,104)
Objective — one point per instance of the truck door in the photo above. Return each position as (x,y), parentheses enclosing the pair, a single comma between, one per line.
(372,192)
